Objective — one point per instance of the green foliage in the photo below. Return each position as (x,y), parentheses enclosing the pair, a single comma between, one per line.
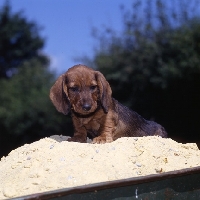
(26,112)
(154,65)
(25,105)
(19,41)
(154,52)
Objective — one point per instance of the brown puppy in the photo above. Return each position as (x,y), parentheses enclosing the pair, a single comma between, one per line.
(87,95)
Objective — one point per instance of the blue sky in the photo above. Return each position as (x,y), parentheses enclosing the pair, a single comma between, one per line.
(67,25)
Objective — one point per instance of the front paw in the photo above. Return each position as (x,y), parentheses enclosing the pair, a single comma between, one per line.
(101,140)
(77,139)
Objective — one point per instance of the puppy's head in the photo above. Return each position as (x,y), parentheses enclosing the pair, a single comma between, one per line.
(81,89)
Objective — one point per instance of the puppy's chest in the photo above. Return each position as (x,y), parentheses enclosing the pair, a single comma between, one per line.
(93,124)
(93,127)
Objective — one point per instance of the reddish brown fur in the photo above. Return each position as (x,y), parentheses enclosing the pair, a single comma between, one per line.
(88,96)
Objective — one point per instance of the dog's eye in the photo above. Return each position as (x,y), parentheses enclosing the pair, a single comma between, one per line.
(93,87)
(74,89)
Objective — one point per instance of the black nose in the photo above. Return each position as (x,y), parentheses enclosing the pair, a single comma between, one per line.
(86,107)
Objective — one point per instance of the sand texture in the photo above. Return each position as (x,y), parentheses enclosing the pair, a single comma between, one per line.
(53,163)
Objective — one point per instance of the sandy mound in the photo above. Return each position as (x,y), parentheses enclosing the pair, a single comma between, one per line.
(53,163)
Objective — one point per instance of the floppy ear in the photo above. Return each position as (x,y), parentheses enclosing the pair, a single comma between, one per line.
(105,91)
(59,96)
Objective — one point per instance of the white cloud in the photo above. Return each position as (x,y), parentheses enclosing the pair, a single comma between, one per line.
(59,63)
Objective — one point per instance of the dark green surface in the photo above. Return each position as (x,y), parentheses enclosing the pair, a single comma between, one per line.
(184,187)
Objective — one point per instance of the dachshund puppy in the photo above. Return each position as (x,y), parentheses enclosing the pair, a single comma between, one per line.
(87,95)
